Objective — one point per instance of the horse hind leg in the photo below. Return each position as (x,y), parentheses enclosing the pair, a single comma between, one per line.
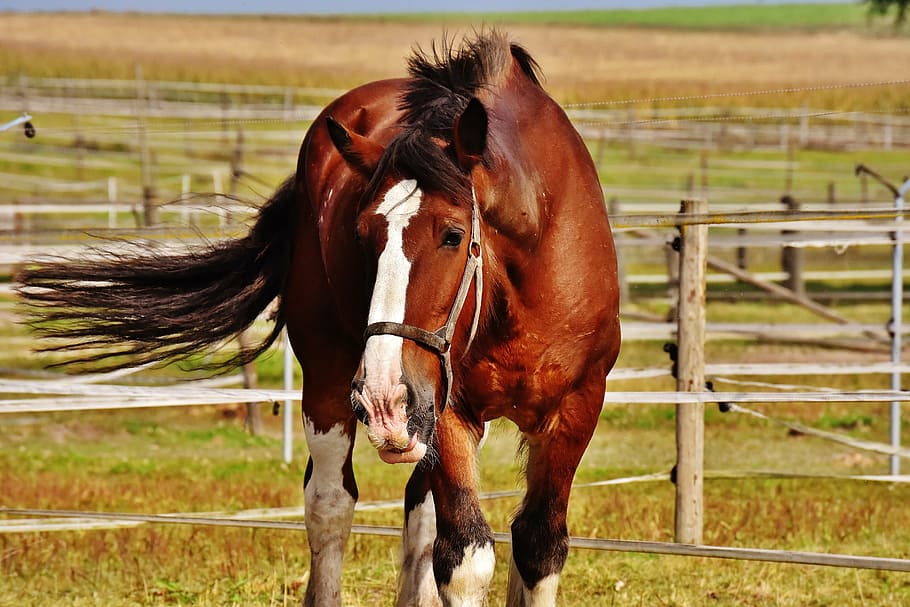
(416,582)
(539,550)
(330,495)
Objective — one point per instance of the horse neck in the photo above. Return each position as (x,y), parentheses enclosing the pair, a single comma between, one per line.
(532,144)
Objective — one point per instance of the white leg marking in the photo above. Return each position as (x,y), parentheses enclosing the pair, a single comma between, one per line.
(542,595)
(471,579)
(416,583)
(544,592)
(328,515)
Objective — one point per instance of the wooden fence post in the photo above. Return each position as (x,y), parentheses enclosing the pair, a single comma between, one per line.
(672,257)
(112,200)
(614,210)
(888,133)
(21,226)
(601,149)
(236,169)
(186,214)
(791,258)
(23,93)
(218,187)
(79,144)
(742,251)
(803,127)
(250,380)
(631,120)
(690,417)
(704,173)
(150,212)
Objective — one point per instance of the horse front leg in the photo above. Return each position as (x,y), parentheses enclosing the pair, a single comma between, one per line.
(416,583)
(463,556)
(329,495)
(540,538)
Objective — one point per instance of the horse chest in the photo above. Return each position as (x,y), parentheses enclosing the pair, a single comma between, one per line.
(521,380)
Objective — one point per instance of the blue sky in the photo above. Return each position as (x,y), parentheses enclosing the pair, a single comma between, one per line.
(351,6)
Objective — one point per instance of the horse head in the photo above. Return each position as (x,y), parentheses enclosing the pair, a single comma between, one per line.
(419,228)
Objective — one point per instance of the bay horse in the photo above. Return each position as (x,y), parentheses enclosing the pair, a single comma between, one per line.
(442,257)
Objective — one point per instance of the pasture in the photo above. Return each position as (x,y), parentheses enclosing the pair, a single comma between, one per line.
(200,459)
(583,61)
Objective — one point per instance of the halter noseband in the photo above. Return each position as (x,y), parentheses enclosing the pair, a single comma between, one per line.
(440,341)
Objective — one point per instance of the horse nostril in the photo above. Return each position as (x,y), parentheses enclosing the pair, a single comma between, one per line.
(359,410)
(411,399)
(361,413)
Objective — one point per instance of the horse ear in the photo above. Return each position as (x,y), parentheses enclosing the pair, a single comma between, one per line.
(360,152)
(470,134)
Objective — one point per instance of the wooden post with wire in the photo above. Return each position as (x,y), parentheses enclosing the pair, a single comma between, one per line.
(791,258)
(149,210)
(250,381)
(690,417)
(613,209)
(236,169)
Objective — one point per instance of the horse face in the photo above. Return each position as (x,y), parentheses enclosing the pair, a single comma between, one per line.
(420,246)
(419,242)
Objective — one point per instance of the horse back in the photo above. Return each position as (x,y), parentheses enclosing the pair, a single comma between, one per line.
(330,278)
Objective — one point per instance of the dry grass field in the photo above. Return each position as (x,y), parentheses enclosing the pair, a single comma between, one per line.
(581,63)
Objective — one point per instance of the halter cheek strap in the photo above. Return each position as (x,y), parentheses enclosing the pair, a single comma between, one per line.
(440,341)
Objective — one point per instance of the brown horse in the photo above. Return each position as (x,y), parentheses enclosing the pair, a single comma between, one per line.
(444,244)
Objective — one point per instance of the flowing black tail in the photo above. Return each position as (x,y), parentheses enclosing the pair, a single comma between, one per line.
(151,306)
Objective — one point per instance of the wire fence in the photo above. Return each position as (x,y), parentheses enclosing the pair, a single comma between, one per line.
(94,129)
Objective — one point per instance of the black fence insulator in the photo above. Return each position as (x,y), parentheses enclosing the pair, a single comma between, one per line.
(673,474)
(276,408)
(676,244)
(673,352)
(724,407)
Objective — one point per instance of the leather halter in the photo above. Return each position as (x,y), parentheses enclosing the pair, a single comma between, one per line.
(440,340)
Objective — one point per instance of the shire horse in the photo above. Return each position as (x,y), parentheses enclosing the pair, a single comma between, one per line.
(442,257)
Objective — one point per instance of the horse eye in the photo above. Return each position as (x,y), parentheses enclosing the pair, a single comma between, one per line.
(452,238)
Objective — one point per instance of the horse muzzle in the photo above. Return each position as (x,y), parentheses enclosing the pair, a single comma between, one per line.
(391,420)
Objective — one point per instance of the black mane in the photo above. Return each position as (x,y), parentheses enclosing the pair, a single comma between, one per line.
(442,83)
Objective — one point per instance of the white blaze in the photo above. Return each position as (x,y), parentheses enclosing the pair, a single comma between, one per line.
(382,355)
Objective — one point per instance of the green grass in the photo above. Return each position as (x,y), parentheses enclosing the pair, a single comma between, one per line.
(758,16)
(736,17)
(193,460)
(200,459)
